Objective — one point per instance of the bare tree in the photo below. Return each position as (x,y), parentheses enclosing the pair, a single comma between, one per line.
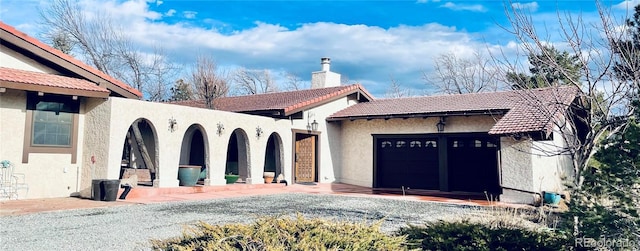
(250,81)
(295,83)
(456,75)
(107,47)
(605,99)
(396,90)
(209,83)
(603,108)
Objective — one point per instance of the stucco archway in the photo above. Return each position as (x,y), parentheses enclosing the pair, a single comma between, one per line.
(195,149)
(238,155)
(140,152)
(274,158)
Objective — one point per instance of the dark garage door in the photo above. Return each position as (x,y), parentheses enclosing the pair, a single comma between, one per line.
(471,161)
(410,162)
(473,164)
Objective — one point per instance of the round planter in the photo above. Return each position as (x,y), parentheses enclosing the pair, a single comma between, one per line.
(188,175)
(268,177)
(231,178)
(551,198)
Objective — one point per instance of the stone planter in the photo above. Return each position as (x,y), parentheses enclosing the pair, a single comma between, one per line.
(188,175)
(268,177)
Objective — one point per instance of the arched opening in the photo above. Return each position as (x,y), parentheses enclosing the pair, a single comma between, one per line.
(273,158)
(194,150)
(238,155)
(140,153)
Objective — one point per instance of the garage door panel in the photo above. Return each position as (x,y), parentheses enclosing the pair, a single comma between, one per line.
(407,162)
(472,164)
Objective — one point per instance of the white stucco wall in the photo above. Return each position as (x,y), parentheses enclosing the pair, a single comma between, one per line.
(110,122)
(517,173)
(552,168)
(47,175)
(357,142)
(330,138)
(14,60)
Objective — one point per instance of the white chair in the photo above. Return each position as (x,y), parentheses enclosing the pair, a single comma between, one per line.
(10,182)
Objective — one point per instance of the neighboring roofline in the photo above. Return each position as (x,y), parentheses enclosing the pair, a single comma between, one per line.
(54,89)
(422,115)
(24,41)
(353,89)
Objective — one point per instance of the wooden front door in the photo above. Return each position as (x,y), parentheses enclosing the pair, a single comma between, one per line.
(305,158)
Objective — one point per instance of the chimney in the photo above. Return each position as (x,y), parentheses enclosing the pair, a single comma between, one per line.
(324,77)
(326,64)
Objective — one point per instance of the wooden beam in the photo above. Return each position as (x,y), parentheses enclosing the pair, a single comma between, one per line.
(143,148)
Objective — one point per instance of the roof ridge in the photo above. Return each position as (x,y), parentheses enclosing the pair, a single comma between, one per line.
(36,42)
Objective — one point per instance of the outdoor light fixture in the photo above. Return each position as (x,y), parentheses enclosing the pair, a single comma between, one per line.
(220,128)
(173,124)
(259,131)
(441,124)
(311,126)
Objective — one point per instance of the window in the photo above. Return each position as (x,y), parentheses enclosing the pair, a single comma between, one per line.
(51,129)
(458,143)
(52,120)
(52,125)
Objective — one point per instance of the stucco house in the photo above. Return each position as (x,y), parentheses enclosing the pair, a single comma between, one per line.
(65,123)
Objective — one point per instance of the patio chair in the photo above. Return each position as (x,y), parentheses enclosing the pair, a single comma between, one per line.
(11,183)
(8,188)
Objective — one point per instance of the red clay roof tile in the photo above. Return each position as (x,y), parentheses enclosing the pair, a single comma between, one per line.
(287,102)
(48,80)
(68,58)
(526,111)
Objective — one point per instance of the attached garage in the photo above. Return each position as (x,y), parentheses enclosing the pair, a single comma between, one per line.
(465,163)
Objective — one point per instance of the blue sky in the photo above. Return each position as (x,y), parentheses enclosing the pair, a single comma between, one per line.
(369,42)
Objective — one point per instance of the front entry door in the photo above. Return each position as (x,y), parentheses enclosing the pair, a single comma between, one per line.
(305,158)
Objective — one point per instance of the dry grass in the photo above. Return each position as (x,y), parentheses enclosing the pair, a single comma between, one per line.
(283,233)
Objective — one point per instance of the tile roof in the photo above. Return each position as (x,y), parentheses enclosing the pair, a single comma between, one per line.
(286,103)
(28,80)
(524,111)
(69,59)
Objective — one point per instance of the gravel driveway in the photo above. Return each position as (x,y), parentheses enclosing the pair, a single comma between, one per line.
(130,227)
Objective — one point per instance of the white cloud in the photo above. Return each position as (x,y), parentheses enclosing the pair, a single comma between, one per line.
(464,7)
(170,13)
(532,6)
(189,14)
(627,5)
(363,53)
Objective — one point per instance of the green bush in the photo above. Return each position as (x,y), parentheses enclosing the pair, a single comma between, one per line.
(283,233)
(464,235)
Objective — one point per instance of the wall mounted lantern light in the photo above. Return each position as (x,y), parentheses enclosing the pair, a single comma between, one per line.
(220,129)
(173,124)
(313,126)
(259,131)
(441,124)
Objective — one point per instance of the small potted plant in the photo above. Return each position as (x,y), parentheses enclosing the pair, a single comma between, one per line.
(6,164)
(231,178)
(268,177)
